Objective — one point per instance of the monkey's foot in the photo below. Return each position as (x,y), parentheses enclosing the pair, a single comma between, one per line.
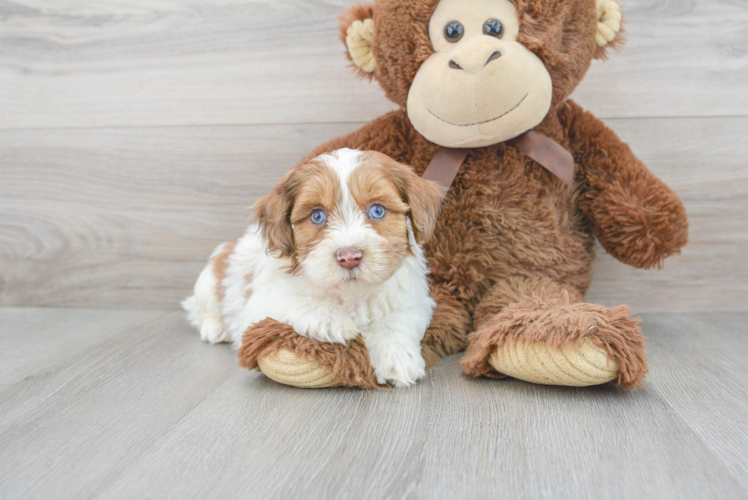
(285,367)
(289,358)
(571,365)
(557,343)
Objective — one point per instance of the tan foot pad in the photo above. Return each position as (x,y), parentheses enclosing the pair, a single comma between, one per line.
(286,368)
(570,365)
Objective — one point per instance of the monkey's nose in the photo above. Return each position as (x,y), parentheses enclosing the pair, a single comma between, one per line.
(349,258)
(493,57)
(471,67)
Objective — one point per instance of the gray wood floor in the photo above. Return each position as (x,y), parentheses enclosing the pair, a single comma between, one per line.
(130,404)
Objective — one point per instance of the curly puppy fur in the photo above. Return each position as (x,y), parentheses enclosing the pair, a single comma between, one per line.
(513,247)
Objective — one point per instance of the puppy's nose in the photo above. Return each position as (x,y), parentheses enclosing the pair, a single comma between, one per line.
(349,258)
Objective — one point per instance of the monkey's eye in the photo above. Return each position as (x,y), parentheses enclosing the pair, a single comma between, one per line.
(453,31)
(318,217)
(493,27)
(377,211)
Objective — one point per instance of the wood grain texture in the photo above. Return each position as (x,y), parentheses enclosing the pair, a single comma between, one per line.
(34,366)
(140,408)
(87,63)
(127,217)
(704,358)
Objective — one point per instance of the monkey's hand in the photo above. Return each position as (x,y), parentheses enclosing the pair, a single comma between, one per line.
(636,217)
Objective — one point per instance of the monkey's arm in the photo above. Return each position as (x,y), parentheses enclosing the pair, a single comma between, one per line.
(635,216)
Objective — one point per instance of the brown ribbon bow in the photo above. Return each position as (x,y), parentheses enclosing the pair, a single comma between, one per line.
(545,151)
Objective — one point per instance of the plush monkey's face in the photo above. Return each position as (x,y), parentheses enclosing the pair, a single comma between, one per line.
(480,86)
(472,73)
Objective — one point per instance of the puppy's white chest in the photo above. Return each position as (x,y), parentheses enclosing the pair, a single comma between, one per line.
(365,311)
(362,314)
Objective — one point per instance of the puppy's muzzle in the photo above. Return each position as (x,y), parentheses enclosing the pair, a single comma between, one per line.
(349,258)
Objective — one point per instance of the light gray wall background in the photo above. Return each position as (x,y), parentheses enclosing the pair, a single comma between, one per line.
(134,134)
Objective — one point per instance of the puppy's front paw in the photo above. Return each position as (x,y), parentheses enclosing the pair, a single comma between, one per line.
(211,330)
(397,364)
(326,326)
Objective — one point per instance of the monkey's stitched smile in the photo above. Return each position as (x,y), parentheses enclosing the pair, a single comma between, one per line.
(485,121)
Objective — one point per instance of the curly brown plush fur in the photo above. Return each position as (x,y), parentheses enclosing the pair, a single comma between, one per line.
(549,313)
(350,363)
(513,246)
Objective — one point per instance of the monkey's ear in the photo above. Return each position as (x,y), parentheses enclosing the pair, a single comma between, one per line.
(357,32)
(609,31)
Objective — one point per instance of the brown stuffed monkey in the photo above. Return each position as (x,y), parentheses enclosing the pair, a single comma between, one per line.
(511,254)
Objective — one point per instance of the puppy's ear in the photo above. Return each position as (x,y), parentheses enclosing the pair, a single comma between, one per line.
(424,198)
(272,214)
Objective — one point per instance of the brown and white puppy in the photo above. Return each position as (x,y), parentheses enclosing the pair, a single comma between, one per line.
(335,252)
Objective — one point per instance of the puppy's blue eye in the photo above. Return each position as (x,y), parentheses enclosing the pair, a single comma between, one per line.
(377,211)
(318,217)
